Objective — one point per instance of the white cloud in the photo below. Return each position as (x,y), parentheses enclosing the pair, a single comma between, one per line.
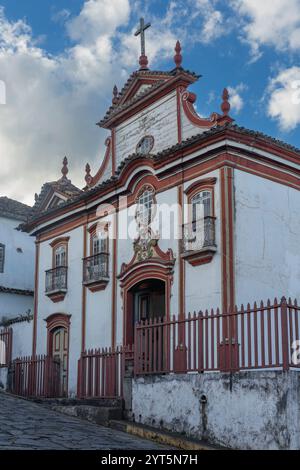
(284,98)
(52,105)
(235,98)
(98,18)
(273,23)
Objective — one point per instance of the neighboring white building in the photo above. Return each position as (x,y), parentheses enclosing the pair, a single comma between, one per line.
(16,260)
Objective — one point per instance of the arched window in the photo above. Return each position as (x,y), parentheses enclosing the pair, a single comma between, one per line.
(144,212)
(201,207)
(100,242)
(60,256)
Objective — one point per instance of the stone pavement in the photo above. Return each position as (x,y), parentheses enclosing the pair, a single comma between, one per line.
(27,425)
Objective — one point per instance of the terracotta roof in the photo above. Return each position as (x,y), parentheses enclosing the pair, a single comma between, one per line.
(62,186)
(110,182)
(13,209)
(119,106)
(12,290)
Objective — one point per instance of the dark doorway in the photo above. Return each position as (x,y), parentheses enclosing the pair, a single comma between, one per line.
(145,301)
(148,300)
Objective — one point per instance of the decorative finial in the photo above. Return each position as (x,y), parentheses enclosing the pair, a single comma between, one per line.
(178,56)
(115,95)
(65,169)
(88,178)
(36,196)
(141,31)
(225,106)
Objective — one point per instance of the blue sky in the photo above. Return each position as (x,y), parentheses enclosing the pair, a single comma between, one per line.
(60,59)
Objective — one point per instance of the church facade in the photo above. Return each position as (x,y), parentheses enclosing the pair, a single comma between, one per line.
(185,213)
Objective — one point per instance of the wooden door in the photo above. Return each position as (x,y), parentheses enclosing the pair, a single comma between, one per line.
(60,354)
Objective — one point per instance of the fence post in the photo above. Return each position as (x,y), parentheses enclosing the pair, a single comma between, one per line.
(284,334)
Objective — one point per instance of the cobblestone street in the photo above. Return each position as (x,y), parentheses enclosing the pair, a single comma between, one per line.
(26,426)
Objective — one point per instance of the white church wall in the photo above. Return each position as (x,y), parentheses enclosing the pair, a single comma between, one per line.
(267,238)
(157,120)
(189,129)
(72,303)
(98,308)
(203,283)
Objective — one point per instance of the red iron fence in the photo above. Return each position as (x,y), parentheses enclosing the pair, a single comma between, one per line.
(101,372)
(255,337)
(37,376)
(6,336)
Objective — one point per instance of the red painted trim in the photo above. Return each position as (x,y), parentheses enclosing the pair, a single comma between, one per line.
(227,236)
(94,179)
(179,125)
(139,81)
(181,79)
(146,272)
(59,241)
(83,302)
(58,320)
(191,190)
(36,293)
(114,281)
(181,277)
(113,152)
(187,100)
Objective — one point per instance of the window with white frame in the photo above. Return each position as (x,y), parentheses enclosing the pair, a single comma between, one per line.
(201,207)
(60,256)
(2,257)
(144,213)
(100,243)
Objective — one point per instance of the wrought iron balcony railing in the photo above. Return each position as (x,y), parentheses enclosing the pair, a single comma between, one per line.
(199,234)
(57,279)
(95,268)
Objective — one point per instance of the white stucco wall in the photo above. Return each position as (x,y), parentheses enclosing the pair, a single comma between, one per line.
(247,410)
(12,305)
(267,239)
(158,120)
(22,339)
(18,267)
(203,283)
(71,305)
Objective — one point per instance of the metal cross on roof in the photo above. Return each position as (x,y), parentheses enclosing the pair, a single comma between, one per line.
(141,31)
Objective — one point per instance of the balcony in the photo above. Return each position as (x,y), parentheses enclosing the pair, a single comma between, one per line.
(95,271)
(198,241)
(57,283)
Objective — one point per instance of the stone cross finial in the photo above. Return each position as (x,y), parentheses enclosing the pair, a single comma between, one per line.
(141,31)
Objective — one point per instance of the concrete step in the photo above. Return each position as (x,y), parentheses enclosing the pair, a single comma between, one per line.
(95,414)
(163,437)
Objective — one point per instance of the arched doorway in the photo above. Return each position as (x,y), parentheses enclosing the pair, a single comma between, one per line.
(58,346)
(148,300)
